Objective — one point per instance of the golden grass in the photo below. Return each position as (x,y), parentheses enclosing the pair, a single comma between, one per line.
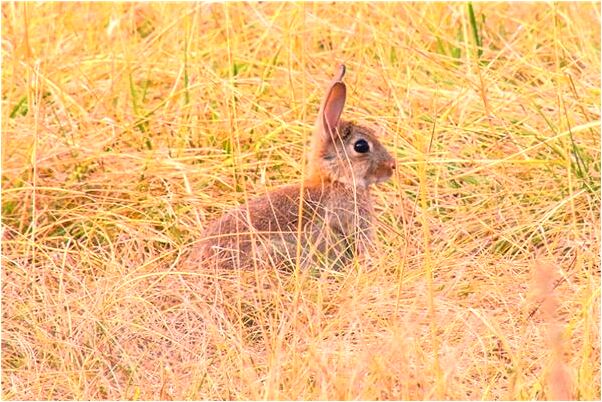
(126,127)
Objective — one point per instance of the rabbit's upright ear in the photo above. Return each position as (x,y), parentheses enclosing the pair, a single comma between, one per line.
(332,107)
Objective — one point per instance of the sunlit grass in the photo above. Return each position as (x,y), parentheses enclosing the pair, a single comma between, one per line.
(127,127)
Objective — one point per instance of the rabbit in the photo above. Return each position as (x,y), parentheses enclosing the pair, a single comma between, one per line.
(328,218)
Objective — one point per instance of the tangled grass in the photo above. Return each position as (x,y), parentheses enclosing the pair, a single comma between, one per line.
(127,127)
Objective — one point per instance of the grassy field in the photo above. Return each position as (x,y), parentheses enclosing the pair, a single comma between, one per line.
(127,127)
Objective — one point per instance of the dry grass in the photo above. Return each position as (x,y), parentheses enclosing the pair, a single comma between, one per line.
(126,127)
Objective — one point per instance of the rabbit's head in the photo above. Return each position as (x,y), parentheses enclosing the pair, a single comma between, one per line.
(343,151)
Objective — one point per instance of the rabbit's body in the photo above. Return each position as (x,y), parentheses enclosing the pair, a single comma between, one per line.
(336,224)
(333,221)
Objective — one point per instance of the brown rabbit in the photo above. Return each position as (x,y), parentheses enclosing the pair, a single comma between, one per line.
(332,222)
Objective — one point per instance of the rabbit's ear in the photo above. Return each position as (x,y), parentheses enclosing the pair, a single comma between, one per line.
(333,106)
(334,102)
(340,74)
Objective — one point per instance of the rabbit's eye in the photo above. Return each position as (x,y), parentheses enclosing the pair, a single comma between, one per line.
(361,146)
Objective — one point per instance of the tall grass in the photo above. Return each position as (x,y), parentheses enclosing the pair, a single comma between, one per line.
(127,127)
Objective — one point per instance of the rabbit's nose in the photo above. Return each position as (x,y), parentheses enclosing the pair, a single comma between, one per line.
(392,165)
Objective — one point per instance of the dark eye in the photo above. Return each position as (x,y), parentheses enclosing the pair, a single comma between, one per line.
(361,146)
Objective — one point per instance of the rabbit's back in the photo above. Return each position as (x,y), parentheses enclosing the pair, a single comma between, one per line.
(331,222)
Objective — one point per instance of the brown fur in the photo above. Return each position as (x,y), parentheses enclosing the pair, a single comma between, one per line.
(335,223)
